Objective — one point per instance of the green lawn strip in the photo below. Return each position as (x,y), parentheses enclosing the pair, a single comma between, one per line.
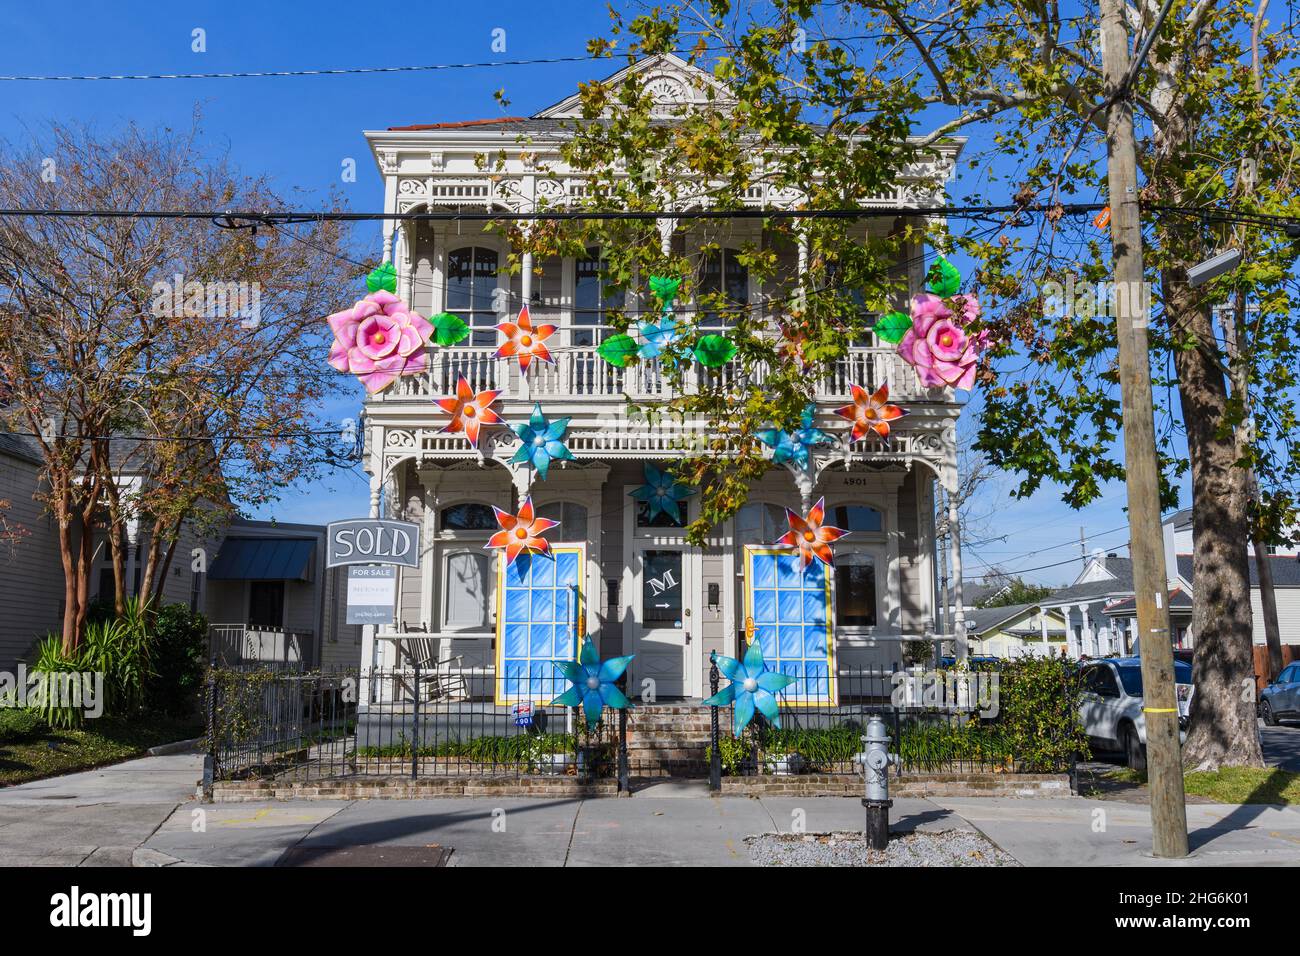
(103,741)
(1232,784)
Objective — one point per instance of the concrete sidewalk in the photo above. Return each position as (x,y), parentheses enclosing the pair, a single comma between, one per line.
(143,812)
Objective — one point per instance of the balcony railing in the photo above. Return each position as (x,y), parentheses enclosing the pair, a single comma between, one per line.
(235,644)
(582,374)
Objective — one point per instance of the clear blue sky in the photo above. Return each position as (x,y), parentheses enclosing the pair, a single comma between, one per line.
(300,130)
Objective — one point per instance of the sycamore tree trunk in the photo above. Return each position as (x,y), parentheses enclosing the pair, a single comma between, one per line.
(1223,729)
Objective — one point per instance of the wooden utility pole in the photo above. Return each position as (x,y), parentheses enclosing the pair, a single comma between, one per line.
(1146,535)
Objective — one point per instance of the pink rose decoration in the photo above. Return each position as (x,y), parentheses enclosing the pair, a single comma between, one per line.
(938,346)
(378,340)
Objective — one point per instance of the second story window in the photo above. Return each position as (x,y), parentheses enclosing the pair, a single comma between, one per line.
(724,288)
(588,300)
(471,285)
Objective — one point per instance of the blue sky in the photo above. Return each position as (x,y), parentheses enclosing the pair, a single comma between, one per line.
(299,131)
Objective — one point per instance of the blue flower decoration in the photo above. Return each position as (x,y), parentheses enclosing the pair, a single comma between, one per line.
(794,446)
(593,683)
(542,441)
(659,335)
(752,687)
(661,492)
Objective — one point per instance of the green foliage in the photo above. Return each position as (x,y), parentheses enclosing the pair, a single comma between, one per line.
(1039,711)
(892,327)
(1017,591)
(714,350)
(178,649)
(618,350)
(19,725)
(449,329)
(943,279)
(383,277)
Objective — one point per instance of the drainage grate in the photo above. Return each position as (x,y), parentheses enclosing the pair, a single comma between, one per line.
(430,855)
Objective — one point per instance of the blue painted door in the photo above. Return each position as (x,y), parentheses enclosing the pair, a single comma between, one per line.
(540,619)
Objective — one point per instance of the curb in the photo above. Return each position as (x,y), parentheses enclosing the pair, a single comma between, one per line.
(178,747)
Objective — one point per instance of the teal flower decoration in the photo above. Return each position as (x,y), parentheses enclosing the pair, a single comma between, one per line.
(593,683)
(752,687)
(661,492)
(794,446)
(543,441)
(657,336)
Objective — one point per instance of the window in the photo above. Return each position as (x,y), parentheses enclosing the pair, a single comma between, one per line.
(266,605)
(855,590)
(759,523)
(1289,674)
(471,289)
(722,274)
(858,518)
(468,588)
(572,518)
(1101,681)
(589,300)
(471,516)
(661,588)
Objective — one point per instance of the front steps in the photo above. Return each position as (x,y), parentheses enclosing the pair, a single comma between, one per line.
(668,740)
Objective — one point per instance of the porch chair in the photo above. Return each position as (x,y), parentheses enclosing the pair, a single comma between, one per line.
(440,677)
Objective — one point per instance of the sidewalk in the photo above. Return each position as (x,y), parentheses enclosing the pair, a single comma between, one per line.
(143,813)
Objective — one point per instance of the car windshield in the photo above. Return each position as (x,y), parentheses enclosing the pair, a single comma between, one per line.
(1130,675)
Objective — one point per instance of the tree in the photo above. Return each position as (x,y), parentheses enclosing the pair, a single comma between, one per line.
(1012,590)
(169,351)
(1028,83)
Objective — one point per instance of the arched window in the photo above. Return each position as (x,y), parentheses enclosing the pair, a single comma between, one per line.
(758,522)
(572,518)
(723,275)
(859,518)
(470,516)
(471,286)
(468,588)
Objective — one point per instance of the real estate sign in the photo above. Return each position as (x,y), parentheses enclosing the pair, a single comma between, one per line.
(372,594)
(373,541)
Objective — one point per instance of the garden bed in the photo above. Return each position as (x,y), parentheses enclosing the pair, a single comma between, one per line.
(100,742)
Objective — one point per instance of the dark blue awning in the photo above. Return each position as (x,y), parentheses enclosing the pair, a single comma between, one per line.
(263,559)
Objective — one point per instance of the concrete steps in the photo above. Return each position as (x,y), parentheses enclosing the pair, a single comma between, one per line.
(669,740)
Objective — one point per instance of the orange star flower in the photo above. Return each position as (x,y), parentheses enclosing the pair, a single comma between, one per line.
(469,411)
(521,532)
(525,341)
(810,536)
(870,411)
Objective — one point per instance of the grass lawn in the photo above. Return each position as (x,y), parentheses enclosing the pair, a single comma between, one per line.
(1232,784)
(103,741)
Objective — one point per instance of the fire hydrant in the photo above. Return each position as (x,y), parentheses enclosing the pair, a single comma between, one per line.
(875,762)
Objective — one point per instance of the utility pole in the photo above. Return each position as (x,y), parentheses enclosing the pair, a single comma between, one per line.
(1146,537)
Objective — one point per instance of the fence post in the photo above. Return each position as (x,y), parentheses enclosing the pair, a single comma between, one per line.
(715,758)
(210,760)
(415,725)
(624,774)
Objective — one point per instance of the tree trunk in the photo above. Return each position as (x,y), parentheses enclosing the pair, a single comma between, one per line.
(1223,729)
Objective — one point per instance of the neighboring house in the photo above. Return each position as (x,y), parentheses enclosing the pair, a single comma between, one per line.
(1104,580)
(298,613)
(642,588)
(1017,630)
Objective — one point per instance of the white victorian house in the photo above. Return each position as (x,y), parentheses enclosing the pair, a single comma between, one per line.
(639,587)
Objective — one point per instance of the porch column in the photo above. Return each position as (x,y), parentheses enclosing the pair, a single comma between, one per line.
(803,267)
(1089,639)
(1042,629)
(1071,646)
(961,646)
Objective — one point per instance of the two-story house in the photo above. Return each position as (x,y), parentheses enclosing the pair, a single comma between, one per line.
(640,587)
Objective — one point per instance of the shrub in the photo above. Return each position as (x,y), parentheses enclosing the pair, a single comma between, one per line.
(178,647)
(1038,712)
(18,725)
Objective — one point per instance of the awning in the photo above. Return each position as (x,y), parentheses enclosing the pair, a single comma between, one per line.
(263,559)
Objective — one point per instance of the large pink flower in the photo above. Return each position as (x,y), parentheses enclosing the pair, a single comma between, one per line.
(939,348)
(378,340)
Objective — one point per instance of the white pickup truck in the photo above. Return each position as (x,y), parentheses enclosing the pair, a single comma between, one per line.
(1110,707)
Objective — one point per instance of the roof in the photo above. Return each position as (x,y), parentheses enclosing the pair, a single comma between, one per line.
(974,592)
(1178,599)
(263,559)
(1120,584)
(20,446)
(987,618)
(1285,567)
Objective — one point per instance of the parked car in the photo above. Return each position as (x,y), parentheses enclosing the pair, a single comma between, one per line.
(1110,707)
(1280,700)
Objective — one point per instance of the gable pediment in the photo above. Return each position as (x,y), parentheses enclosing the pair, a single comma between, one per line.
(672,82)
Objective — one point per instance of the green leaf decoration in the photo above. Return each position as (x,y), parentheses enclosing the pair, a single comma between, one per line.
(449,329)
(944,279)
(384,277)
(714,350)
(892,326)
(664,288)
(618,350)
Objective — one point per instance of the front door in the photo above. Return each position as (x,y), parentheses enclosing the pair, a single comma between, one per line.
(663,619)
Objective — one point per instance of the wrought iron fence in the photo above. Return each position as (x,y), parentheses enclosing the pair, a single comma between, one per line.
(400,722)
